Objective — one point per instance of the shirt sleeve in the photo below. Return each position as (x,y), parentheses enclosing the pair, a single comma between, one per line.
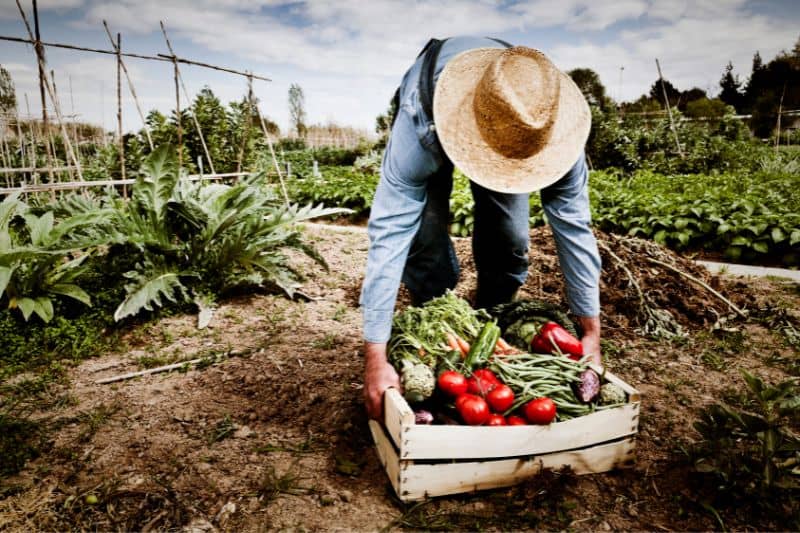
(566,204)
(394,220)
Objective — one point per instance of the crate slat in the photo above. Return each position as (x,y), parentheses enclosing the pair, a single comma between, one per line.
(419,481)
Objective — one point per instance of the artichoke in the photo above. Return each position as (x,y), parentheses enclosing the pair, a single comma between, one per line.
(611,394)
(418,381)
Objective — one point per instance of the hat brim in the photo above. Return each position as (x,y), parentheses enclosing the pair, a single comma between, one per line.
(462,142)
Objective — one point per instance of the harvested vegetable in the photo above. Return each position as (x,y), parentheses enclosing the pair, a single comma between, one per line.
(540,411)
(553,337)
(418,381)
(532,376)
(500,398)
(452,383)
(589,386)
(514,420)
(525,314)
(473,409)
(423,417)
(496,420)
(611,394)
(421,333)
(483,347)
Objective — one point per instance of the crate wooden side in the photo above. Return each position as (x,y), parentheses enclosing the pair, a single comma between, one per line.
(412,480)
(470,442)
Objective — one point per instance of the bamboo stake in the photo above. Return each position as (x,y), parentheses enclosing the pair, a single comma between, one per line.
(75,142)
(159,57)
(246,135)
(31,128)
(64,133)
(39,50)
(669,110)
(130,86)
(56,106)
(20,137)
(274,157)
(120,140)
(178,114)
(186,94)
(64,130)
(780,110)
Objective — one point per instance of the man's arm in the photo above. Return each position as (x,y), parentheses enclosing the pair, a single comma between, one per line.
(379,375)
(566,204)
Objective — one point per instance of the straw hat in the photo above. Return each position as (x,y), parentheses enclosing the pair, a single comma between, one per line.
(509,119)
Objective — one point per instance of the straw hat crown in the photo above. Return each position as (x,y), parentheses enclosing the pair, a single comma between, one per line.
(509,119)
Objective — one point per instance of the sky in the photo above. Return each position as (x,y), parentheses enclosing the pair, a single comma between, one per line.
(349,55)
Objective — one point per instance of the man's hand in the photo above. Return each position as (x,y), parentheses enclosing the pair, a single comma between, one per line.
(379,375)
(591,337)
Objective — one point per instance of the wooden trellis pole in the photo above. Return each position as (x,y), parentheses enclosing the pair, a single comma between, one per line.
(178,112)
(120,140)
(121,64)
(669,110)
(188,102)
(249,119)
(43,80)
(32,130)
(274,157)
(63,127)
(39,50)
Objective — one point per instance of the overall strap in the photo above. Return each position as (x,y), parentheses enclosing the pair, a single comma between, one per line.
(425,89)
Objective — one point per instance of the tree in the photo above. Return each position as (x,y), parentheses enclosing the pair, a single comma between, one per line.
(657,93)
(687,97)
(705,108)
(297,112)
(590,85)
(8,95)
(730,88)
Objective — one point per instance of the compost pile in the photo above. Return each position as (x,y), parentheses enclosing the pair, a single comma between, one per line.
(644,287)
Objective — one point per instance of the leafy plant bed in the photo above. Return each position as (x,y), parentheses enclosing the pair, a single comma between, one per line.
(433,460)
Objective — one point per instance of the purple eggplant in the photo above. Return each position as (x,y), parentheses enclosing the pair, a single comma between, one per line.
(589,387)
(423,417)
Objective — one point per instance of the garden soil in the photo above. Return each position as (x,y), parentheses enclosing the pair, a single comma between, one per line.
(271,434)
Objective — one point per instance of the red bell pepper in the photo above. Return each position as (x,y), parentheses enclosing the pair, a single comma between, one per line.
(552,335)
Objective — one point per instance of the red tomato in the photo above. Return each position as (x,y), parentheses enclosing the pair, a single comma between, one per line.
(515,420)
(473,409)
(452,383)
(500,398)
(479,386)
(496,420)
(486,375)
(540,411)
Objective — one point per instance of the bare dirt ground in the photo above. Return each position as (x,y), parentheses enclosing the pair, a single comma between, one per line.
(273,436)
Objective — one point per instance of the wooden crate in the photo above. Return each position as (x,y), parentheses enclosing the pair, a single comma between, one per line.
(424,461)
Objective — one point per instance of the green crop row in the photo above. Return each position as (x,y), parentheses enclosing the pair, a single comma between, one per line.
(747,216)
(744,215)
(336,186)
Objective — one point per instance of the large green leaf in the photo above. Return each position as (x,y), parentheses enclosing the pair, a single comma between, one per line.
(43,306)
(149,292)
(39,228)
(26,305)
(5,277)
(154,186)
(72,291)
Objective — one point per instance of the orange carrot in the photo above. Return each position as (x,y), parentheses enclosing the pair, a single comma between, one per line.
(463,346)
(502,345)
(452,343)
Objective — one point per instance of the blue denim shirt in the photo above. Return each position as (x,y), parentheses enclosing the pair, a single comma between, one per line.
(412,155)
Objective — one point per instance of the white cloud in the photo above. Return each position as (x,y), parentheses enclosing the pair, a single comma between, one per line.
(348,55)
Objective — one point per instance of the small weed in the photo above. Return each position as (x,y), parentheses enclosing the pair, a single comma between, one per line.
(272,485)
(339,313)
(713,360)
(222,430)
(310,445)
(328,342)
